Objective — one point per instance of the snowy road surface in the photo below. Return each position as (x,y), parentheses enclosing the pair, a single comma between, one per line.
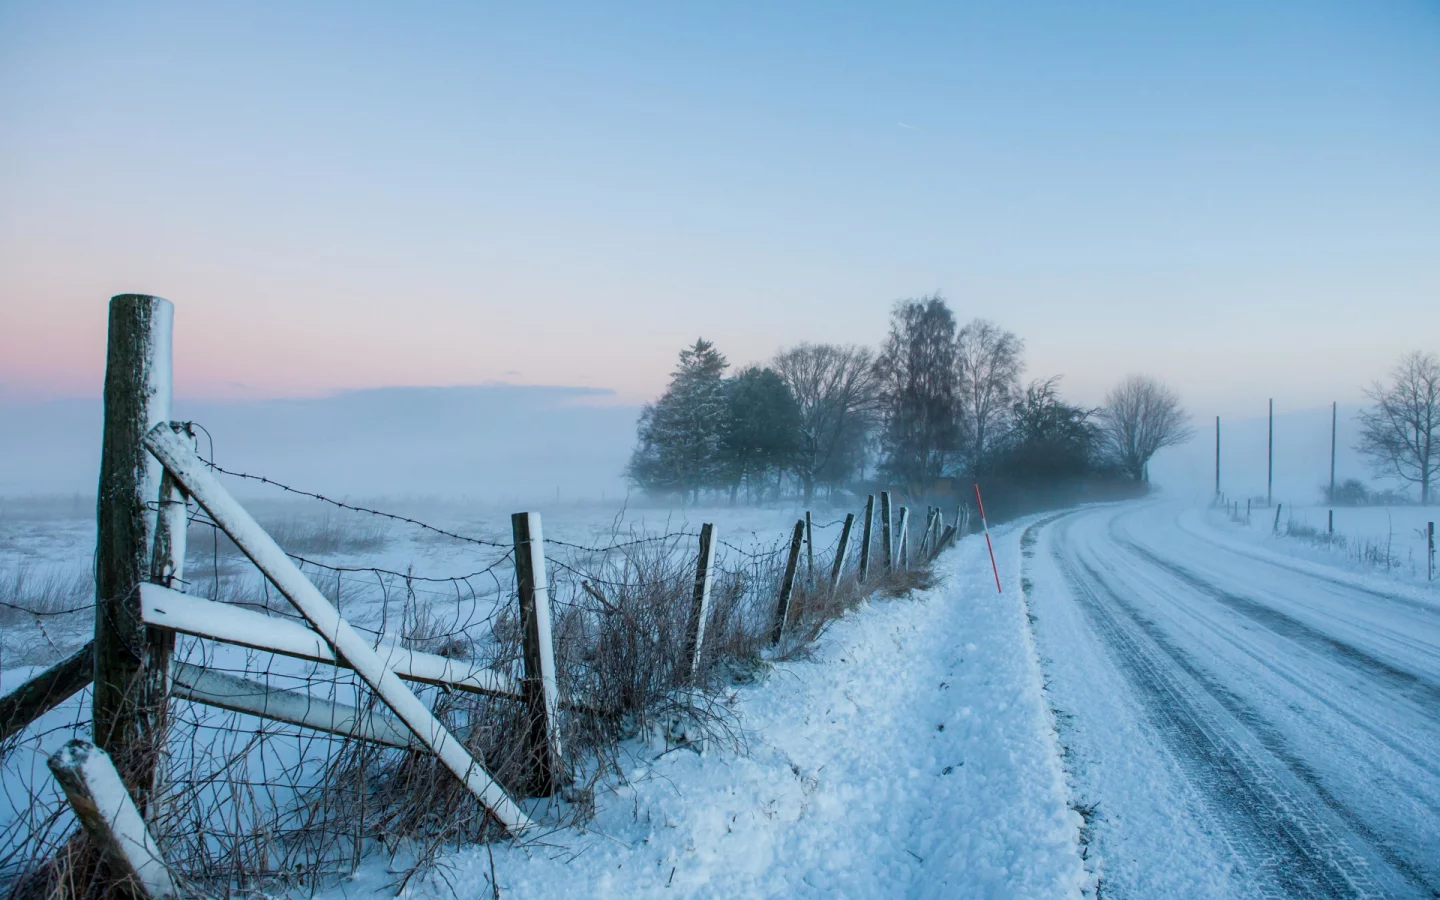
(1244,724)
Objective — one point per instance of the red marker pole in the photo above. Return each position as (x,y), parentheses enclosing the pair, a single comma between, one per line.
(991,547)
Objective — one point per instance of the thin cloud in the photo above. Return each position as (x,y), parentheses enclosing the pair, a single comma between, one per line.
(910,127)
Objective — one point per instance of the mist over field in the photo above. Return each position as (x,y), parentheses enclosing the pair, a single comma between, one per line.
(488,444)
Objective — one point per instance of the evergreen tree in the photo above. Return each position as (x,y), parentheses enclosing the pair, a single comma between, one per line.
(762,432)
(679,435)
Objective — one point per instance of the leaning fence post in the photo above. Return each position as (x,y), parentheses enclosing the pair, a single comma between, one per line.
(839,565)
(1275,529)
(539,686)
(108,814)
(787,585)
(903,551)
(886,559)
(700,600)
(1430,528)
(131,661)
(865,538)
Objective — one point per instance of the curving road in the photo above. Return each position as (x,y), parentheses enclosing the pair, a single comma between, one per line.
(1237,723)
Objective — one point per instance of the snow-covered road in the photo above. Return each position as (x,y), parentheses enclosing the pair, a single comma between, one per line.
(1245,724)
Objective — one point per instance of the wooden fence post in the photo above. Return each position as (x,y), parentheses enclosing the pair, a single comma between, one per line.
(787,585)
(885,557)
(109,815)
(840,553)
(539,685)
(1430,528)
(809,551)
(865,538)
(131,661)
(904,549)
(1275,529)
(700,600)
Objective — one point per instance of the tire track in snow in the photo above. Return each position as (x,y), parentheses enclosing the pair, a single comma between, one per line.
(1280,834)
(1414,686)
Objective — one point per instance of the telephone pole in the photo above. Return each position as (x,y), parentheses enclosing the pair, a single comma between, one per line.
(1270,459)
(1217,459)
(1334,407)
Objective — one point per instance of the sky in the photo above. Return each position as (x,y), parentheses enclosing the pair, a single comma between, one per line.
(1240,198)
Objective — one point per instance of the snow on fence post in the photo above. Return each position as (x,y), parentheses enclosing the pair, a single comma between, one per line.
(865,538)
(540,686)
(180,460)
(700,600)
(885,558)
(904,550)
(787,585)
(108,814)
(841,552)
(131,661)
(809,551)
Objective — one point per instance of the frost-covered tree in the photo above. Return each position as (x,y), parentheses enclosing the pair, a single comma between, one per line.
(988,360)
(1400,432)
(836,389)
(919,398)
(1141,416)
(762,429)
(679,436)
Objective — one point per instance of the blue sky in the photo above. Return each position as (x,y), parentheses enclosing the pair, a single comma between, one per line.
(1241,198)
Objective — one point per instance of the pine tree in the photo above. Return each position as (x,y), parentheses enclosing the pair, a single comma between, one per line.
(679,435)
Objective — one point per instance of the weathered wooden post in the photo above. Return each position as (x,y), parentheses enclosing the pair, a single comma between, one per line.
(132,662)
(840,553)
(700,600)
(809,551)
(885,558)
(1331,527)
(904,550)
(865,538)
(1275,529)
(1430,540)
(109,816)
(546,764)
(787,584)
(1247,510)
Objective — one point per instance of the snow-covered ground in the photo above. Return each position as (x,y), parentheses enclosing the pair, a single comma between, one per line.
(1245,722)
(912,755)
(1390,542)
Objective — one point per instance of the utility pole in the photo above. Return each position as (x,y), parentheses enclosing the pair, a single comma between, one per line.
(1334,408)
(1270,459)
(1217,459)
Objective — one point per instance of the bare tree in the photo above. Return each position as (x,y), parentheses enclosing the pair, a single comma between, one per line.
(917,373)
(988,363)
(1398,432)
(835,388)
(1140,416)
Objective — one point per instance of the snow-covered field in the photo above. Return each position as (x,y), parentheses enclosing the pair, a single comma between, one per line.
(1372,540)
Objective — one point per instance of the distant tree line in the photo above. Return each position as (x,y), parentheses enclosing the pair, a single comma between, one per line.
(935,401)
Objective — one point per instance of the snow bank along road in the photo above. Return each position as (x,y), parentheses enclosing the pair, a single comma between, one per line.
(1245,725)
(912,755)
